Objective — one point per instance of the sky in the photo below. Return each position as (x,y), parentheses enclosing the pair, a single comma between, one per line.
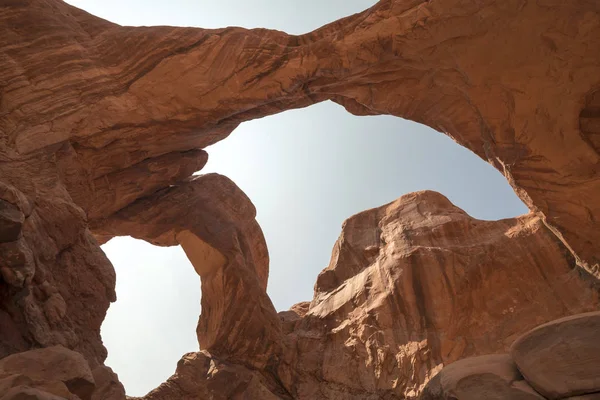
(305,170)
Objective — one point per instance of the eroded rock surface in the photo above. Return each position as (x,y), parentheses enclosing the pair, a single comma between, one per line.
(417,284)
(55,370)
(514,81)
(493,377)
(56,282)
(558,359)
(101,127)
(200,376)
(591,396)
(108,386)
(562,358)
(411,286)
(215,224)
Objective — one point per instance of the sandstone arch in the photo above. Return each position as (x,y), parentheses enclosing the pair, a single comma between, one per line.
(218,232)
(176,89)
(86,106)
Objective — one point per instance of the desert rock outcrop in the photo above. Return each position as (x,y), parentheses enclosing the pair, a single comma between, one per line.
(108,386)
(418,284)
(215,224)
(562,358)
(514,81)
(493,377)
(558,359)
(411,286)
(55,370)
(200,376)
(102,126)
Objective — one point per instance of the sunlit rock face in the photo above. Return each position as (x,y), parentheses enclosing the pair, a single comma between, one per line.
(412,286)
(494,377)
(418,284)
(101,127)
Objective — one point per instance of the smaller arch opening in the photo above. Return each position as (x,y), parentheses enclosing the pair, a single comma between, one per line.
(153,322)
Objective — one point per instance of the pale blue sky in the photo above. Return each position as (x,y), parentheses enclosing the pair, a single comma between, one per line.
(305,170)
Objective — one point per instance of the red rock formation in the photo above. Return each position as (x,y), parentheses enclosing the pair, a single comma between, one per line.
(417,284)
(89,109)
(561,358)
(53,370)
(411,286)
(214,222)
(493,377)
(56,282)
(513,81)
(201,376)
(108,386)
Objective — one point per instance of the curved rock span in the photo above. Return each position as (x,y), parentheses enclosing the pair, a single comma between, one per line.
(102,127)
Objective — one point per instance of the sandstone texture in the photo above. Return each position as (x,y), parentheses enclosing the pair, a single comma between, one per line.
(102,127)
(55,370)
(558,360)
(562,358)
(591,396)
(108,386)
(493,377)
(215,224)
(26,393)
(411,286)
(514,81)
(201,376)
(417,284)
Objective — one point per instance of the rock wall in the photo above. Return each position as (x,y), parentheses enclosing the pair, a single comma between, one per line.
(418,284)
(412,286)
(101,127)
(56,282)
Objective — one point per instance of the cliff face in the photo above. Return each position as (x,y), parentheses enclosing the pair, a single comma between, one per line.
(101,127)
(412,286)
(418,284)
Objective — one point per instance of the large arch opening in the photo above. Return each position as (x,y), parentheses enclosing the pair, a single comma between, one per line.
(214,15)
(306,171)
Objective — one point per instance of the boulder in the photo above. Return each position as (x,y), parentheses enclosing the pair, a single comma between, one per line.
(108,386)
(561,358)
(28,393)
(491,377)
(52,364)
